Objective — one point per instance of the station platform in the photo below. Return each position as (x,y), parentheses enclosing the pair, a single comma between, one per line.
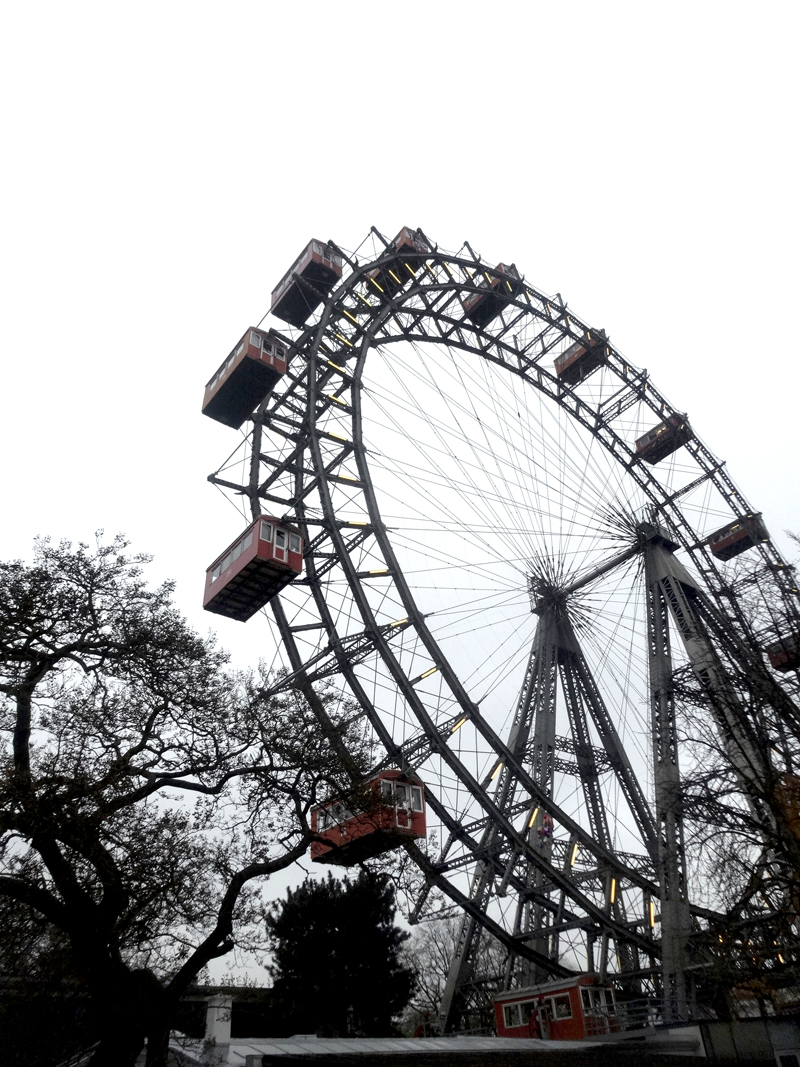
(439,1052)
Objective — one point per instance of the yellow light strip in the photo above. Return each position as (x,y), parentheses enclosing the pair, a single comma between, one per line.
(351,317)
(336,366)
(613,893)
(488,279)
(428,673)
(652,914)
(395,276)
(380,570)
(398,622)
(378,287)
(364,300)
(458,725)
(496,771)
(508,283)
(446,266)
(532,819)
(574,855)
(430,271)
(357,522)
(337,437)
(336,399)
(410,271)
(343,339)
(346,477)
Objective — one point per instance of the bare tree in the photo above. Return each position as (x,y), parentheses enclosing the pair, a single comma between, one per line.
(430,953)
(146,790)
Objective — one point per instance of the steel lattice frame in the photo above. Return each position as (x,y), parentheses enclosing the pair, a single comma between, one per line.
(318,454)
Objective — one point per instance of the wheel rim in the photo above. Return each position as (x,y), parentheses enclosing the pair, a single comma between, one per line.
(403,421)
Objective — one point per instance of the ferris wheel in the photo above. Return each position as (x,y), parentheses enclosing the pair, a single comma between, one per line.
(504,543)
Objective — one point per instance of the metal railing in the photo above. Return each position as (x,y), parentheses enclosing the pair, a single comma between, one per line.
(625,1015)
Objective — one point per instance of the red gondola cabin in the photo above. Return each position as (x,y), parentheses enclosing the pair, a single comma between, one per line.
(391,810)
(567,1009)
(245,378)
(581,358)
(317,266)
(787,796)
(784,655)
(664,439)
(389,279)
(259,563)
(498,288)
(737,537)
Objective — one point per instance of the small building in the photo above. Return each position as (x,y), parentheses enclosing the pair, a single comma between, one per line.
(251,571)
(566,1009)
(389,809)
(737,536)
(306,283)
(246,377)
(581,358)
(664,439)
(496,290)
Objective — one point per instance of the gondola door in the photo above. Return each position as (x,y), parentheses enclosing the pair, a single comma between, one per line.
(544,1020)
(281,549)
(402,805)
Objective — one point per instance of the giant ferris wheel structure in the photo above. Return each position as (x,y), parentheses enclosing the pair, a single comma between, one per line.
(518,558)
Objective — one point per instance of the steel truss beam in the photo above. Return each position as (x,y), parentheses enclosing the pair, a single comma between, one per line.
(555,652)
(671,861)
(673,593)
(536,706)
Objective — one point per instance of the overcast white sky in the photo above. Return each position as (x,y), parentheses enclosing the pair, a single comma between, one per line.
(165,162)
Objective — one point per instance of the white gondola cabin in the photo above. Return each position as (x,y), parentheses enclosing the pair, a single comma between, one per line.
(498,287)
(664,439)
(246,377)
(738,536)
(581,358)
(306,283)
(251,571)
(390,809)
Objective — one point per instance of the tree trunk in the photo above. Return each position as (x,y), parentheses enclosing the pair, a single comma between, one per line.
(157,1043)
(126,1010)
(117,1049)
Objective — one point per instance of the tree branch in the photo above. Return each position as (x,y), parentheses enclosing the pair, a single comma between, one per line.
(35,897)
(210,948)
